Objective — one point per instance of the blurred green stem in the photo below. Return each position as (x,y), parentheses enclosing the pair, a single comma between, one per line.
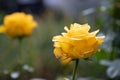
(20,51)
(75,69)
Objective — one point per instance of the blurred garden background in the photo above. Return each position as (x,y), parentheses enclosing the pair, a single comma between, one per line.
(39,62)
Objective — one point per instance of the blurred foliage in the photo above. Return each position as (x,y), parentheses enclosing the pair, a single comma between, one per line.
(1,16)
(102,55)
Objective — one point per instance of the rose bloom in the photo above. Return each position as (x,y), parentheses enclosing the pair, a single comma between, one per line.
(76,43)
(18,25)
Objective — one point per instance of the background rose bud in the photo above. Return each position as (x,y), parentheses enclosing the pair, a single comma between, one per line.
(18,24)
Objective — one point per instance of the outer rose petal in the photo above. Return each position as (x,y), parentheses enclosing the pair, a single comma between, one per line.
(100,39)
(85,27)
(66,28)
(57,38)
(76,26)
(94,33)
(65,59)
(58,52)
(57,44)
(60,39)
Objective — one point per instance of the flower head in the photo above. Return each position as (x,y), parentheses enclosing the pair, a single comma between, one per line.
(76,43)
(18,24)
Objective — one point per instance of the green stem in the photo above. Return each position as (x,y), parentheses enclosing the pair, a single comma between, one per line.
(75,69)
(20,51)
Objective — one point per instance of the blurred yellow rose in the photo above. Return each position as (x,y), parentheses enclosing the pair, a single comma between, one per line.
(18,25)
(76,43)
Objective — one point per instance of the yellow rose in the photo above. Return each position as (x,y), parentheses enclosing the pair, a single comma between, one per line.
(76,43)
(18,25)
